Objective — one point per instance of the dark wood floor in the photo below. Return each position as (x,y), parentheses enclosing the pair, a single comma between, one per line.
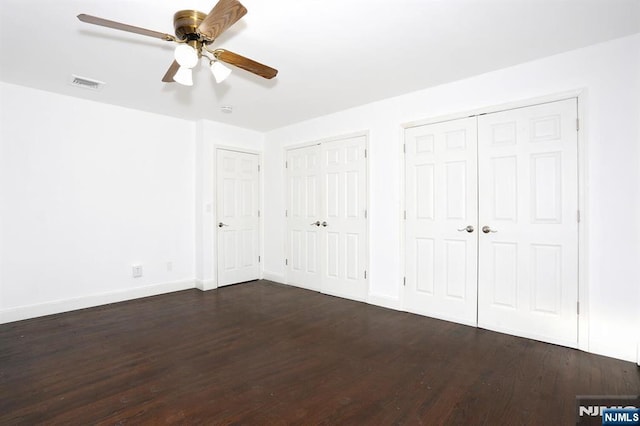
(263,353)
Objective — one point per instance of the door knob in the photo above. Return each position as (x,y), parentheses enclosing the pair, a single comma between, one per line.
(220,224)
(468,228)
(486,229)
(316,223)
(325,224)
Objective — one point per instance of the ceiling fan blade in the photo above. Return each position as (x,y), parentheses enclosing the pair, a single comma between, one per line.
(173,69)
(245,63)
(124,27)
(223,15)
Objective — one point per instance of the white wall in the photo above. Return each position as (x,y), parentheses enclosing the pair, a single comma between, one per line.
(610,75)
(87,190)
(209,136)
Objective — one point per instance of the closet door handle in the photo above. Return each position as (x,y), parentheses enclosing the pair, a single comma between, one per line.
(468,228)
(486,229)
(325,224)
(316,223)
(220,225)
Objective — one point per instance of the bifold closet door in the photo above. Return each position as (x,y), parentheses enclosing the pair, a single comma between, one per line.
(528,206)
(238,223)
(326,217)
(441,220)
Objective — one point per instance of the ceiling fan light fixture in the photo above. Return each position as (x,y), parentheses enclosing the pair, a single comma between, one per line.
(194,31)
(184,76)
(220,71)
(186,56)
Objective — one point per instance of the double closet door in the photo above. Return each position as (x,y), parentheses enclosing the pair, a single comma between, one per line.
(326,217)
(492,221)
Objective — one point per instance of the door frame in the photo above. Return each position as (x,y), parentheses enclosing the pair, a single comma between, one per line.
(582,97)
(285,150)
(214,249)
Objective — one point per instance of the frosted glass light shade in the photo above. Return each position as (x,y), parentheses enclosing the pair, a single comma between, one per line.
(186,56)
(184,76)
(219,71)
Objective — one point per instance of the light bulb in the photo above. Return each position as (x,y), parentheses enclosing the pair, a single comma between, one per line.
(186,56)
(184,76)
(219,71)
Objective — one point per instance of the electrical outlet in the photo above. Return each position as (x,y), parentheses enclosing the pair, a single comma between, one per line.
(136,271)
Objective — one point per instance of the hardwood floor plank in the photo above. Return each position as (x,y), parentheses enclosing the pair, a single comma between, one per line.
(264,353)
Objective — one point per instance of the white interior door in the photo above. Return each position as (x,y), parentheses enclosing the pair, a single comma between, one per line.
(344,224)
(238,225)
(528,265)
(519,265)
(303,217)
(326,217)
(441,220)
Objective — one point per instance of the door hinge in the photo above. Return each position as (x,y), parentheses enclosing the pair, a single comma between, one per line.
(578,308)
(577,124)
(286,213)
(365,213)
(404,281)
(286,262)
(286,164)
(258,259)
(365,275)
(404,148)
(365,153)
(405,215)
(578,216)
(258,213)
(258,167)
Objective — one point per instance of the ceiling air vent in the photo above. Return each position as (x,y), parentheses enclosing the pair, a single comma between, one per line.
(86,83)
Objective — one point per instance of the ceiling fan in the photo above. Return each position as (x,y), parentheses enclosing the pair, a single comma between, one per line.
(195,31)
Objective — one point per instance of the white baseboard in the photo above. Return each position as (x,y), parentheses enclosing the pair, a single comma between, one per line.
(614,350)
(59,306)
(270,276)
(206,285)
(384,301)
(345,296)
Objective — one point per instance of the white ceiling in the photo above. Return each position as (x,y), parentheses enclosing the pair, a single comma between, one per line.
(331,54)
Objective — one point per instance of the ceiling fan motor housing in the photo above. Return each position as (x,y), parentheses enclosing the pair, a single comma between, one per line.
(186,22)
